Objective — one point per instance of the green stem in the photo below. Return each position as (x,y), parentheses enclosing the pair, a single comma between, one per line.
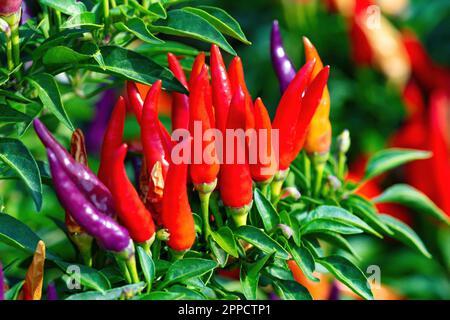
(15,39)
(277,185)
(9,53)
(341,165)
(318,179)
(106,15)
(123,268)
(176,255)
(125,2)
(204,203)
(215,208)
(113,3)
(145,3)
(58,19)
(131,266)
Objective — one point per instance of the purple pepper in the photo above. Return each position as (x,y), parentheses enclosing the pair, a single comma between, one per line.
(2,284)
(284,68)
(110,235)
(97,127)
(52,294)
(334,292)
(82,176)
(8,7)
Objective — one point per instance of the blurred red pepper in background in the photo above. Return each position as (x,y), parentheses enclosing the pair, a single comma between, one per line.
(180,101)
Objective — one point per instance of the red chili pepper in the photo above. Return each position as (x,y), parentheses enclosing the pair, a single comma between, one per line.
(310,103)
(318,139)
(202,170)
(130,209)
(176,214)
(236,75)
(155,151)
(221,88)
(264,169)
(111,141)
(288,112)
(235,179)
(197,67)
(180,103)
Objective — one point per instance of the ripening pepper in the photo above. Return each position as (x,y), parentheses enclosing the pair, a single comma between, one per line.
(80,237)
(283,66)
(110,235)
(34,278)
(9,7)
(288,112)
(205,165)
(156,153)
(197,67)
(130,209)
(235,179)
(176,211)
(112,140)
(180,102)
(84,179)
(221,88)
(318,140)
(264,166)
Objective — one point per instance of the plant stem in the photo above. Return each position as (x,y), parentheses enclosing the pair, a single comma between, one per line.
(106,16)
(113,3)
(15,40)
(9,53)
(204,203)
(58,20)
(124,269)
(341,165)
(131,266)
(318,179)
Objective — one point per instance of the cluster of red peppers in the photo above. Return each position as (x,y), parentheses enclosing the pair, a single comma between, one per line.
(108,207)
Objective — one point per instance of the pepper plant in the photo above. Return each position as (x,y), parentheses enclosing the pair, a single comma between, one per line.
(181,229)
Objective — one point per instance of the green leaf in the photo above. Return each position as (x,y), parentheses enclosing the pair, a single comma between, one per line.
(187,268)
(249,276)
(220,255)
(323,225)
(262,241)
(338,241)
(405,234)
(278,272)
(62,55)
(86,20)
(349,274)
(88,277)
(147,266)
(220,19)
(134,66)
(161,295)
(61,38)
(341,215)
(266,211)
(14,291)
(412,198)
(291,290)
(113,294)
(304,260)
(225,239)
(179,49)
(138,28)
(17,234)
(50,96)
(366,211)
(11,115)
(69,7)
(391,158)
(15,155)
(188,294)
(186,24)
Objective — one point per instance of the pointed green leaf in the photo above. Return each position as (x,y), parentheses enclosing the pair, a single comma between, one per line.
(137,27)
(16,156)
(250,274)
(391,158)
(147,266)
(291,290)
(266,211)
(304,260)
(187,268)
(225,239)
(69,7)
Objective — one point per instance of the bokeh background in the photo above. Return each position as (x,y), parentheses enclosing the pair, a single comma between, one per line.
(390,86)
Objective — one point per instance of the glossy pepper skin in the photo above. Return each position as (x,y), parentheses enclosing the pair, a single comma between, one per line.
(176,214)
(110,235)
(197,67)
(8,7)
(130,209)
(112,140)
(288,112)
(266,164)
(155,153)
(283,66)
(221,88)
(34,278)
(180,102)
(85,180)
(318,139)
(235,179)
(202,171)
